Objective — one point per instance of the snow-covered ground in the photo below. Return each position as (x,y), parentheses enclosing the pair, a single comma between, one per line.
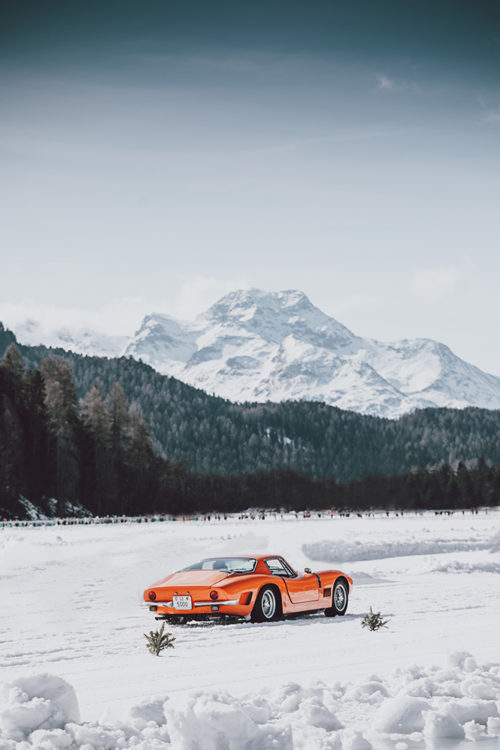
(71,608)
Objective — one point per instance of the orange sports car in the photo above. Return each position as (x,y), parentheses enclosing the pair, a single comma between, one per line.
(256,587)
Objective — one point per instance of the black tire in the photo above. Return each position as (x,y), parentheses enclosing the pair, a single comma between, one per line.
(340,599)
(267,606)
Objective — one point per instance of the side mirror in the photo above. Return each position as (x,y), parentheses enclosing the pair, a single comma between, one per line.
(307,570)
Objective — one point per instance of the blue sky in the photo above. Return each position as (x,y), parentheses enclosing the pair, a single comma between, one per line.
(156,155)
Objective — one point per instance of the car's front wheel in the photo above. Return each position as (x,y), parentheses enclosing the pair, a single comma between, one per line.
(267,606)
(340,599)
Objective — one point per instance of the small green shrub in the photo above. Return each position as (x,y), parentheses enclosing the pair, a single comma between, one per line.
(158,640)
(373,621)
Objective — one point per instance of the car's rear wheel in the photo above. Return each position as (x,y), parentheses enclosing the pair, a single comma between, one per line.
(266,606)
(340,599)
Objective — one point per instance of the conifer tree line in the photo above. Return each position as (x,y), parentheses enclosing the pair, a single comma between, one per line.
(211,435)
(59,451)
(95,452)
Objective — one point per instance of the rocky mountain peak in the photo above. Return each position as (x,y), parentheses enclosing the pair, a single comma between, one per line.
(246,303)
(254,345)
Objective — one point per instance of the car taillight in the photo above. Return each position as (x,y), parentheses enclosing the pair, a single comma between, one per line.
(214,595)
(152,595)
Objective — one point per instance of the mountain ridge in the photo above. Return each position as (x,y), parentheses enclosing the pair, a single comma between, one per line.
(213,436)
(261,346)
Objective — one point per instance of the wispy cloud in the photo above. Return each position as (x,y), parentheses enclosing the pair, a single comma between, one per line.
(492,117)
(391,85)
(489,104)
(120,316)
(437,282)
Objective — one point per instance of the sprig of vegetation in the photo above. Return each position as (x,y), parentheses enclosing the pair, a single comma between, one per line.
(373,621)
(158,640)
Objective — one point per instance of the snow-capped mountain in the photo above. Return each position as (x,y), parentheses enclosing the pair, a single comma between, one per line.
(258,346)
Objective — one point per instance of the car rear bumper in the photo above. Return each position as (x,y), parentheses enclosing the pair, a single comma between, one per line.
(231,603)
(229,606)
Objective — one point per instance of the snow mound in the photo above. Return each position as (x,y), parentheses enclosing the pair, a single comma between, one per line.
(417,704)
(401,715)
(355,741)
(439,726)
(213,721)
(339,550)
(37,702)
(461,567)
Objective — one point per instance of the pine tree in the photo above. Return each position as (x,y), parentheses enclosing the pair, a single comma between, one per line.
(97,421)
(140,460)
(12,362)
(37,439)
(141,451)
(119,445)
(95,415)
(119,418)
(12,458)
(466,490)
(11,454)
(13,374)
(61,405)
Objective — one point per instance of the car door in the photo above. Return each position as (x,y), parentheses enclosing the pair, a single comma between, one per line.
(303,588)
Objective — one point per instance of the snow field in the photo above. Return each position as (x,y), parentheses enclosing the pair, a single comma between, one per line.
(415,705)
(72,610)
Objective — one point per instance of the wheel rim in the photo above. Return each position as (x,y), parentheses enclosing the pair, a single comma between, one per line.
(268,604)
(340,597)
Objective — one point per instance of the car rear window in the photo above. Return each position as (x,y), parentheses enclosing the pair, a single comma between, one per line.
(226,564)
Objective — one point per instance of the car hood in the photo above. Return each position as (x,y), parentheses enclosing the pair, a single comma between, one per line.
(195,578)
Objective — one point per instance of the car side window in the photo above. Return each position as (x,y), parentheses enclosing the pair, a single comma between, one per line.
(277,567)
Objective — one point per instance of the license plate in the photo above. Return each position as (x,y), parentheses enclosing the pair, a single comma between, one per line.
(182,602)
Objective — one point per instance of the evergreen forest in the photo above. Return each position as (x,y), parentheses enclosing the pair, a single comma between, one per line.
(114,436)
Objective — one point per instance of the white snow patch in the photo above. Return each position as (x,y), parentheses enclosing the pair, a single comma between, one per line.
(71,606)
(440,726)
(41,712)
(352,551)
(38,702)
(401,715)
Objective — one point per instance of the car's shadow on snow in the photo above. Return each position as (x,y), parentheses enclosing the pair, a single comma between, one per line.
(296,620)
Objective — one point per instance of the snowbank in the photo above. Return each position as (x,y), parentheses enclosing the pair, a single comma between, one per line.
(455,566)
(417,704)
(339,550)
(39,702)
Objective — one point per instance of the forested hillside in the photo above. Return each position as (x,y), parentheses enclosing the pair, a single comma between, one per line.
(214,436)
(57,451)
